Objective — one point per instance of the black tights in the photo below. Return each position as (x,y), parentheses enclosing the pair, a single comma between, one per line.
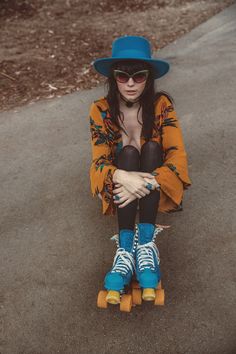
(129,159)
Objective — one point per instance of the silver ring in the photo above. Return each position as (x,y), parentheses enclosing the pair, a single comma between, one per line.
(117,197)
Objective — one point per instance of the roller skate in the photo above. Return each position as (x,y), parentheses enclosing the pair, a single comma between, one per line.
(121,273)
(147,266)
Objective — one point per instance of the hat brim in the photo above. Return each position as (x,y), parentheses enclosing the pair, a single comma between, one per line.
(103,65)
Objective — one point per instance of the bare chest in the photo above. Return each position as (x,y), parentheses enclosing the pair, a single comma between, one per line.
(133,128)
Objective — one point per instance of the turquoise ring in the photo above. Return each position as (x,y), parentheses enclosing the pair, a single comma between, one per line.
(117,197)
(149,186)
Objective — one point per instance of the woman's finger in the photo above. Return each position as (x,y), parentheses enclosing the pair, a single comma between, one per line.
(146,174)
(127,202)
(142,192)
(124,204)
(153,184)
(117,190)
(121,200)
(137,195)
(146,190)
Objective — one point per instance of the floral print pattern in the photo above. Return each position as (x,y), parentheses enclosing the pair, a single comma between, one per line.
(106,143)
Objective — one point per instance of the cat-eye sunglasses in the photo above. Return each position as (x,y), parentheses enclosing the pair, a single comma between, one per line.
(138,76)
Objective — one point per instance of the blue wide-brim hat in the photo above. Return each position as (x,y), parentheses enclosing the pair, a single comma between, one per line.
(131,47)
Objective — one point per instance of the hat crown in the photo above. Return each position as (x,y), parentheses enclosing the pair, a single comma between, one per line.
(128,46)
(133,48)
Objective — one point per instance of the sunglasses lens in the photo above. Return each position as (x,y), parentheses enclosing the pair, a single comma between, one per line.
(140,77)
(121,77)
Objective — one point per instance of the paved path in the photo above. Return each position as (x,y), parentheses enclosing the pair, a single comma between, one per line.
(55,246)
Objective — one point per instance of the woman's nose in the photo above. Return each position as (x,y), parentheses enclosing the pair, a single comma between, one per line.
(130,81)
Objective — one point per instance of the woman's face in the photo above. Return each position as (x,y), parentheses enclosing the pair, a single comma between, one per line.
(131,90)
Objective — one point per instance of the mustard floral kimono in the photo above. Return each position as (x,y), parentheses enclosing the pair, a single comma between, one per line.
(106,142)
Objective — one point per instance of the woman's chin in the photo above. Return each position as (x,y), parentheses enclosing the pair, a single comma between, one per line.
(131,97)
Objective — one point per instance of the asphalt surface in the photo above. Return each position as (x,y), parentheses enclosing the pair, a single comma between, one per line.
(55,247)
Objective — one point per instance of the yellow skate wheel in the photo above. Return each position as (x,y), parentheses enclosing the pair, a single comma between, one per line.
(126,303)
(137,296)
(160,297)
(149,294)
(159,285)
(101,300)
(113,297)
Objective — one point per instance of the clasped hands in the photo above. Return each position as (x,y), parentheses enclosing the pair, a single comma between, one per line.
(132,185)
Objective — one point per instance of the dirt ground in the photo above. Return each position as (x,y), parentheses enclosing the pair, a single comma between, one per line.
(47,46)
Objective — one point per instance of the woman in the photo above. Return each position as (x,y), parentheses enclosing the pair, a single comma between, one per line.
(138,160)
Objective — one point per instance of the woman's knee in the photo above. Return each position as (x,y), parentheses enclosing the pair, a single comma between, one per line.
(151,154)
(151,146)
(130,150)
(128,158)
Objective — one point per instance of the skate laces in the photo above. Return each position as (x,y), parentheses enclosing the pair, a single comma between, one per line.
(123,261)
(145,256)
(147,251)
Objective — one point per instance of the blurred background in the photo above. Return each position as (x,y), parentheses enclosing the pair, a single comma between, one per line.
(47,46)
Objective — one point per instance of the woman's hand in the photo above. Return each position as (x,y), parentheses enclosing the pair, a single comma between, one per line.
(155,184)
(135,182)
(126,197)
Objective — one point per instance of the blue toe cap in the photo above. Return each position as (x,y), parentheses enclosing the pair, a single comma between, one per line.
(114,281)
(149,278)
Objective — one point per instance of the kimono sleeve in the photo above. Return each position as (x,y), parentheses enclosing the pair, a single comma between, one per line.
(173,174)
(101,169)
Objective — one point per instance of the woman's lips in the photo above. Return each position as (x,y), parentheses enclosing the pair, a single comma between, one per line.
(131,92)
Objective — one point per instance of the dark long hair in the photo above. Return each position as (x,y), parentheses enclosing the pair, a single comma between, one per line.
(148,98)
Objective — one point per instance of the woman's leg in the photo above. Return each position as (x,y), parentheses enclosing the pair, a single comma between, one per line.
(128,159)
(151,158)
(123,264)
